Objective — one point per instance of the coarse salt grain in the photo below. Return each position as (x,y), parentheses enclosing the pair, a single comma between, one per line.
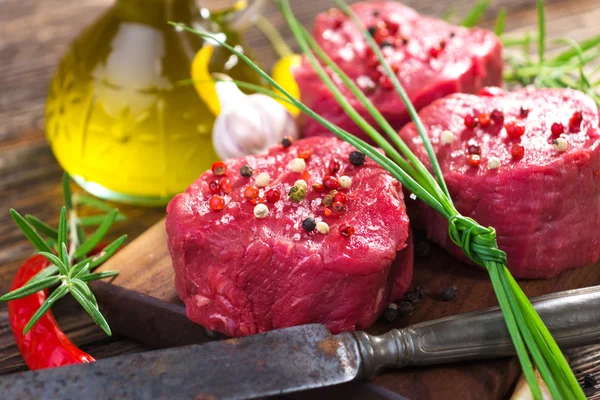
(345,182)
(301,182)
(560,144)
(322,227)
(262,179)
(447,137)
(493,163)
(298,165)
(261,211)
(364,82)
(413,196)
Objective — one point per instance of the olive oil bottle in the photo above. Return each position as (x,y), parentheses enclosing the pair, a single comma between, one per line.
(118,118)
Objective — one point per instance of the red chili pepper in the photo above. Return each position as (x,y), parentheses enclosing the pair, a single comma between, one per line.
(45,345)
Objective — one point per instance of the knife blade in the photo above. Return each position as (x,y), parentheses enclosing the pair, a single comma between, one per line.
(303,357)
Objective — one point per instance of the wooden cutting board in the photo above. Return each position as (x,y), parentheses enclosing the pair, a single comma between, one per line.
(142,303)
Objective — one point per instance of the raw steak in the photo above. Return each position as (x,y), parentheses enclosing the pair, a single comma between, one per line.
(543,202)
(432,59)
(240,275)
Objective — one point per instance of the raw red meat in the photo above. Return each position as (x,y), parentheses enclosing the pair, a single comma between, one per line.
(544,203)
(241,275)
(432,59)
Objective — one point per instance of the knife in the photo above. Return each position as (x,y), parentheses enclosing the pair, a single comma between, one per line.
(303,357)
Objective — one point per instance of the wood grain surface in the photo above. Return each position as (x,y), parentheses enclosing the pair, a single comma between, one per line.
(33,36)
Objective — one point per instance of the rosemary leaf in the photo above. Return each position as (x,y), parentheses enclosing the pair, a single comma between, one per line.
(475,14)
(29,232)
(46,272)
(79,270)
(91,309)
(30,288)
(94,203)
(94,220)
(107,252)
(42,227)
(85,290)
(57,294)
(63,254)
(62,268)
(99,275)
(66,187)
(93,240)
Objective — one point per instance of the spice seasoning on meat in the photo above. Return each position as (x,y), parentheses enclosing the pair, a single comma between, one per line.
(297,193)
(309,224)
(216,203)
(246,171)
(357,158)
(262,179)
(298,165)
(345,182)
(218,168)
(323,227)
(261,211)
(286,141)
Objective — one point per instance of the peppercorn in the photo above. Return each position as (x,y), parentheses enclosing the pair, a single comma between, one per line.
(219,168)
(557,128)
(404,309)
(304,153)
(372,30)
(346,230)
(216,203)
(391,313)
(297,193)
(225,186)
(331,182)
(214,187)
(329,198)
(421,292)
(589,381)
(333,167)
(474,149)
(449,293)
(338,208)
(484,120)
(412,297)
(474,160)
(575,122)
(309,224)
(497,116)
(523,112)
(273,195)
(286,141)
(339,197)
(517,151)
(386,43)
(357,158)
(318,187)
(246,171)
(514,131)
(470,121)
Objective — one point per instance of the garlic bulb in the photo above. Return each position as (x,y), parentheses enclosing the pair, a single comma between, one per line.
(249,124)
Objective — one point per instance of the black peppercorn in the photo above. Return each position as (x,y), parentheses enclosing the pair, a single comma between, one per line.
(309,224)
(286,141)
(449,293)
(412,297)
(391,313)
(589,381)
(246,171)
(357,158)
(372,30)
(421,291)
(404,309)
(386,43)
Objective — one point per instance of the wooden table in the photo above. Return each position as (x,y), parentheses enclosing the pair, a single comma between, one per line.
(33,36)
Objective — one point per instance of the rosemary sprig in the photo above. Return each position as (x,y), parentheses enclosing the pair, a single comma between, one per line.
(70,267)
(529,334)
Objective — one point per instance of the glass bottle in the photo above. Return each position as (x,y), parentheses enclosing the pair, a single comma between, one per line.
(118,118)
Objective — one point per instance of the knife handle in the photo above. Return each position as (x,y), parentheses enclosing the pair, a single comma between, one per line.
(572,317)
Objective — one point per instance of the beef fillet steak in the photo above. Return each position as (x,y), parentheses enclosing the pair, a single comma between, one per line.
(431,58)
(526,163)
(242,272)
